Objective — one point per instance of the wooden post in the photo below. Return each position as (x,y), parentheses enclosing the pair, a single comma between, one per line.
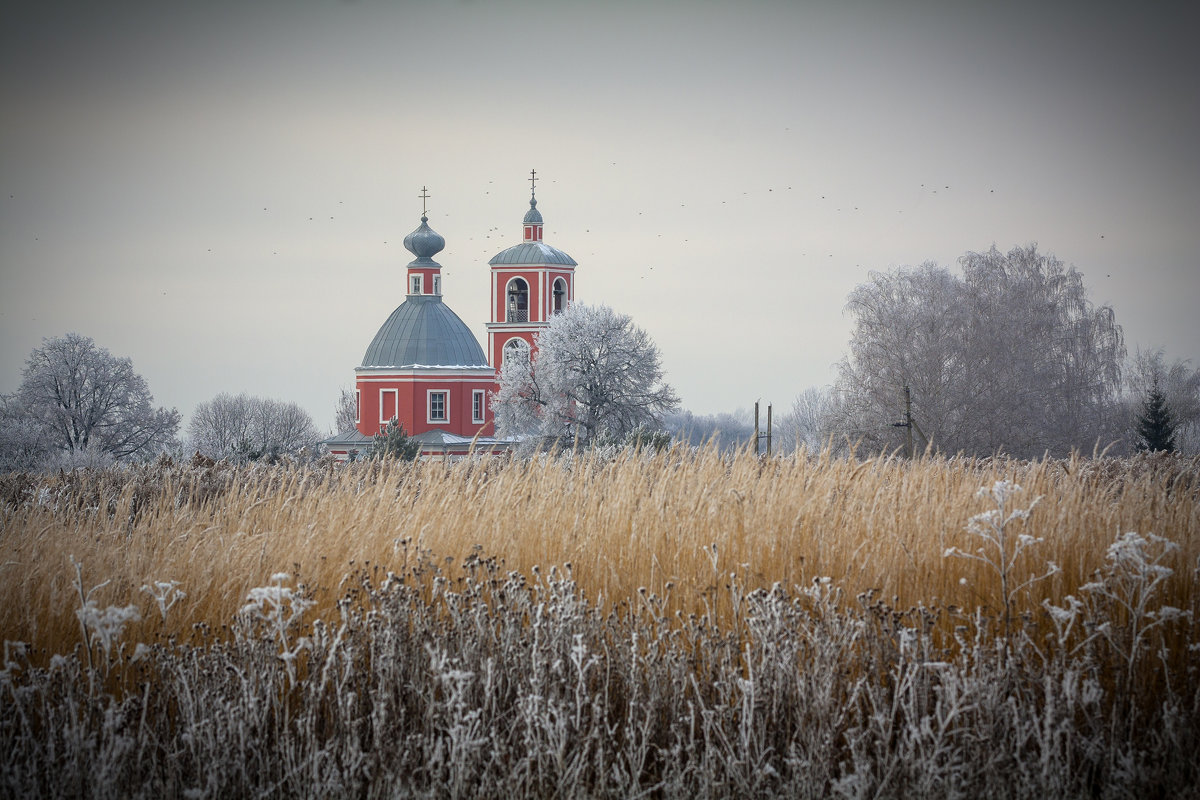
(755,427)
(768,430)
(908,423)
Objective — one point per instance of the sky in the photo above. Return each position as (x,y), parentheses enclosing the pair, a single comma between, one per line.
(220,190)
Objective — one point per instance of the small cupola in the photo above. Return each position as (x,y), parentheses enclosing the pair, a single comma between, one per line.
(533,218)
(424,243)
(424,274)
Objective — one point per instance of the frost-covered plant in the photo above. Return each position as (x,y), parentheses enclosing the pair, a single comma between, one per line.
(1000,547)
(102,626)
(277,608)
(166,594)
(1123,595)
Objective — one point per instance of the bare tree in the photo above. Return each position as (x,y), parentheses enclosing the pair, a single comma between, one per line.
(726,431)
(595,376)
(24,444)
(1012,357)
(242,427)
(345,417)
(810,422)
(909,331)
(76,398)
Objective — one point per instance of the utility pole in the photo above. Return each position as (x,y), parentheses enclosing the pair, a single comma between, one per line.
(907,422)
(755,427)
(768,430)
(910,424)
(758,435)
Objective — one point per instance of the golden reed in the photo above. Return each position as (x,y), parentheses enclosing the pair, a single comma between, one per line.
(677,524)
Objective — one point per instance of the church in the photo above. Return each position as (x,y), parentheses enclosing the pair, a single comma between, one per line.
(426,369)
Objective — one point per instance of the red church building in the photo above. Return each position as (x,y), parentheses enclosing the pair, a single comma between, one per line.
(424,367)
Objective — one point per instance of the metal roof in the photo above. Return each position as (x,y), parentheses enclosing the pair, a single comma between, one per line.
(532,253)
(424,331)
(424,243)
(533,215)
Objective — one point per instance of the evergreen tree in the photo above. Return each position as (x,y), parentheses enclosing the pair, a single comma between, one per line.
(1155,429)
(394,442)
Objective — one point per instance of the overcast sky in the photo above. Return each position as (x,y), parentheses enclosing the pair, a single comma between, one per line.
(220,190)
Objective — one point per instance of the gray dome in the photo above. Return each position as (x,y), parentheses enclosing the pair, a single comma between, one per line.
(424,243)
(533,215)
(532,253)
(424,331)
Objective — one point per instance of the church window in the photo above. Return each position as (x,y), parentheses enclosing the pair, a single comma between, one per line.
(437,407)
(560,295)
(357,406)
(516,348)
(387,405)
(437,284)
(477,401)
(415,288)
(518,301)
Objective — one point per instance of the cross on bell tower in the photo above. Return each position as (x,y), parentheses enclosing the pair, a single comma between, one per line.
(533,217)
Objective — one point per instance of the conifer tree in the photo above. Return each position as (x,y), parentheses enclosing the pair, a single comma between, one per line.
(1155,429)
(394,442)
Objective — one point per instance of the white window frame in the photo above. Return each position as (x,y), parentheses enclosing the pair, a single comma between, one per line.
(429,393)
(357,406)
(416,284)
(395,405)
(566,292)
(478,398)
(437,284)
(528,298)
(520,346)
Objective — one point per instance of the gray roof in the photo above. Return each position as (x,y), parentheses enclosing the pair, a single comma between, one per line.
(353,440)
(532,253)
(423,331)
(349,439)
(533,215)
(424,243)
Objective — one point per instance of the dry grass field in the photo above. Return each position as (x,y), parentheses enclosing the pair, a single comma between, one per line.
(673,624)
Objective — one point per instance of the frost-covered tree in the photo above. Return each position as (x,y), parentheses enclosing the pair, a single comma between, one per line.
(810,422)
(727,431)
(242,427)
(23,441)
(77,398)
(1010,357)
(595,375)
(345,416)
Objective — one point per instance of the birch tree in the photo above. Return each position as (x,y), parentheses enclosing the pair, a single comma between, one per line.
(1009,357)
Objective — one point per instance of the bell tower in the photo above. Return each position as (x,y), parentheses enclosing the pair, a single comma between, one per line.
(531,282)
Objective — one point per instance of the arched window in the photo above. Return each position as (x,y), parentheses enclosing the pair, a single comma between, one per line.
(560,296)
(516,348)
(518,301)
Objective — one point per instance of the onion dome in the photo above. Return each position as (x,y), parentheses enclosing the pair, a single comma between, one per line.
(424,332)
(533,216)
(424,243)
